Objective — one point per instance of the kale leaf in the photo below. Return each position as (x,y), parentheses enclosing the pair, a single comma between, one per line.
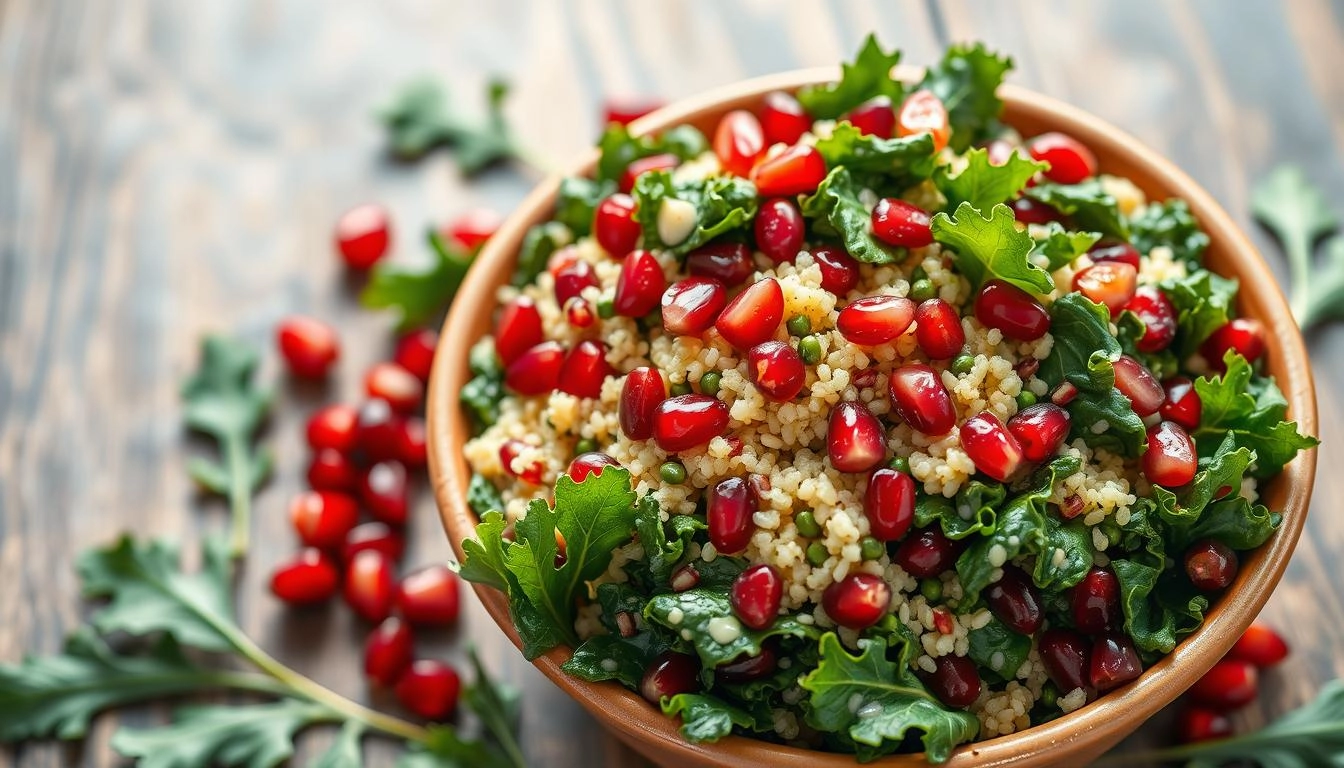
(967,81)
(1086,204)
(894,164)
(722,204)
(482,394)
(869,75)
(989,248)
(984,184)
(1171,224)
(619,148)
(835,209)
(707,615)
(1254,410)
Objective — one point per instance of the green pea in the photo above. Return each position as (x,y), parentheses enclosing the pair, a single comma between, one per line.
(606,309)
(806,524)
(1025,399)
(709,383)
(931,589)
(900,464)
(672,472)
(923,290)
(918,274)
(870,548)
(962,364)
(799,325)
(809,348)
(585,445)
(679,388)
(817,554)
(1049,696)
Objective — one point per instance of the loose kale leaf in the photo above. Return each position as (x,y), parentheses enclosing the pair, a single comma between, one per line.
(1086,204)
(876,702)
(345,751)
(482,394)
(705,718)
(421,117)
(1325,292)
(983,184)
(1169,223)
(1160,605)
(1304,738)
(722,204)
(1298,215)
(999,649)
(577,202)
(973,509)
(1060,246)
(619,148)
(894,164)
(1203,303)
(835,209)
(257,736)
(967,81)
(1253,410)
(418,292)
(991,248)
(868,76)
(702,610)
(538,244)
(483,496)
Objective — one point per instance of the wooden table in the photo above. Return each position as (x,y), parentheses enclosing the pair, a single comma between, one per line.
(169,169)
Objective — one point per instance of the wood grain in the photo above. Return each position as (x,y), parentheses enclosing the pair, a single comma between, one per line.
(168,169)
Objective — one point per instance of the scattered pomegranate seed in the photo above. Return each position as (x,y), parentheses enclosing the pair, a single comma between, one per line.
(738,141)
(728,516)
(691,306)
(684,578)
(926,553)
(309,346)
(579,313)
(753,315)
(897,222)
(1071,507)
(1113,251)
(756,595)
(746,668)
(783,119)
(1211,565)
(1170,460)
(429,597)
(1070,161)
(429,689)
(474,227)
(889,504)
(1012,310)
(362,235)
(924,112)
(1111,283)
(798,170)
(857,601)
(938,329)
(955,680)
(1067,657)
(1243,335)
(876,319)
(777,370)
(1182,404)
(854,439)
(1015,601)
(1027,368)
(729,263)
(333,427)
(399,387)
(323,518)
(536,371)
(572,279)
(779,230)
(1229,684)
(943,621)
(378,430)
(415,352)
(1040,429)
(311,577)
(561,260)
(759,485)
(637,168)
(626,110)
(839,271)
(688,421)
(585,368)
(640,284)
(1138,385)
(670,674)
(614,225)
(641,394)
(1158,316)
(368,585)
(518,329)
(1029,211)
(1260,645)
(874,117)
(1063,394)
(1196,724)
(509,451)
(866,377)
(385,492)
(626,625)
(1094,602)
(331,470)
(1114,662)
(991,446)
(388,651)
(591,463)
(918,397)
(379,537)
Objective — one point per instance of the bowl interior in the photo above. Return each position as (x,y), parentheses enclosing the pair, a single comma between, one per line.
(1069,740)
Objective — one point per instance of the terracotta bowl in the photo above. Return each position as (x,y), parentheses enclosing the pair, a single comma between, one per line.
(1069,741)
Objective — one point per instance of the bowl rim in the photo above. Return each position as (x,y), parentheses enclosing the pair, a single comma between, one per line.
(1087,731)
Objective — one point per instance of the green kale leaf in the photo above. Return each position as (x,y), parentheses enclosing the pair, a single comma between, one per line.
(972,510)
(705,718)
(997,648)
(1169,223)
(893,164)
(483,496)
(869,75)
(418,292)
(835,209)
(722,204)
(612,657)
(539,244)
(989,248)
(1203,302)
(967,81)
(707,615)
(1061,247)
(1086,204)
(983,184)
(619,149)
(482,394)
(1252,409)
(577,201)
(223,734)
(1299,216)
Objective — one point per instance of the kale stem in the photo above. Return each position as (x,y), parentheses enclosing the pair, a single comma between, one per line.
(240,494)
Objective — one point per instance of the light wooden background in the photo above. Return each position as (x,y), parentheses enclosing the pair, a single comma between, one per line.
(169,168)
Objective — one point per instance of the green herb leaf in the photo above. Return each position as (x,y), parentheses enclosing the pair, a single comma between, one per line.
(1171,224)
(703,611)
(538,244)
(482,394)
(483,496)
(577,201)
(485,561)
(610,657)
(662,554)
(1203,303)
(869,75)
(722,204)
(260,736)
(967,81)
(497,706)
(991,248)
(972,510)
(1086,204)
(418,292)
(421,117)
(1160,607)
(835,209)
(1253,410)
(705,718)
(997,648)
(619,148)
(346,751)
(983,184)
(1299,216)
(894,163)
(1060,246)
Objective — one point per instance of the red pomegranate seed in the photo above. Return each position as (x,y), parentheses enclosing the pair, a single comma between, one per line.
(1243,335)
(738,141)
(688,421)
(753,315)
(368,585)
(331,470)
(1196,724)
(1211,565)
(1071,507)
(955,680)
(1027,368)
(839,272)
(474,227)
(1070,161)
(614,225)
(759,485)
(518,330)
(415,352)
(777,370)
(429,597)
(1260,645)
(399,387)
(728,515)
(1029,211)
(1229,684)
(1112,251)
(729,263)
(1067,656)
(874,117)
(1158,316)
(429,689)
(900,223)
(926,553)
(866,377)
(1094,602)
(362,235)
(1170,460)
(641,394)
(746,667)
(798,170)
(876,319)
(385,493)
(670,673)
(756,595)
(585,369)
(783,119)
(1111,283)
(1063,394)
(1012,310)
(323,518)
(924,112)
(626,110)
(388,651)
(918,396)
(1114,662)
(333,427)
(412,445)
(561,260)
(1040,429)
(572,279)
(684,578)
(509,451)
(991,446)
(857,601)
(1138,385)
(691,306)
(855,441)
(591,463)
(309,346)
(1182,404)
(536,371)
(378,430)
(379,537)
(938,329)
(579,313)
(311,577)
(637,168)
(943,621)
(1015,601)
(779,230)
(640,284)
(889,504)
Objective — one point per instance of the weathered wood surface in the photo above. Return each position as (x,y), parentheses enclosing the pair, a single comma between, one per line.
(171,168)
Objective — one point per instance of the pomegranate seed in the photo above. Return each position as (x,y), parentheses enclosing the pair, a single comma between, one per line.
(955,681)
(874,117)
(729,263)
(1064,394)
(1261,646)
(415,352)
(938,329)
(637,168)
(1243,335)
(759,485)
(857,601)
(1229,684)
(1094,602)
(670,673)
(626,110)
(1111,283)
(536,371)
(684,578)
(1027,368)
(429,597)
(1170,459)
(640,284)
(509,451)
(614,225)
(1015,601)
(1070,161)
(1029,211)
(379,537)
(839,272)
(1040,429)
(688,421)
(1158,316)
(1114,662)
(875,319)
(579,313)
(1067,657)
(378,430)
(691,306)
(1071,507)
(561,260)
(626,625)
(1211,565)
(385,493)
(779,230)
(756,595)
(866,377)
(918,396)
(1196,724)
(591,463)
(311,577)
(1110,251)
(331,470)
(388,651)
(926,554)
(585,369)
(309,346)
(474,227)
(429,689)
(518,330)
(738,141)
(368,585)
(923,112)
(399,387)
(783,119)
(753,315)
(798,170)
(1182,404)
(322,518)
(728,516)
(889,504)
(572,279)
(362,235)
(333,427)
(777,370)
(854,440)
(746,667)
(943,621)
(1011,310)
(1138,385)
(991,446)
(641,394)
(900,223)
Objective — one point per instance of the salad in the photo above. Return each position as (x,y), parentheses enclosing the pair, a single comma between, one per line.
(867,424)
